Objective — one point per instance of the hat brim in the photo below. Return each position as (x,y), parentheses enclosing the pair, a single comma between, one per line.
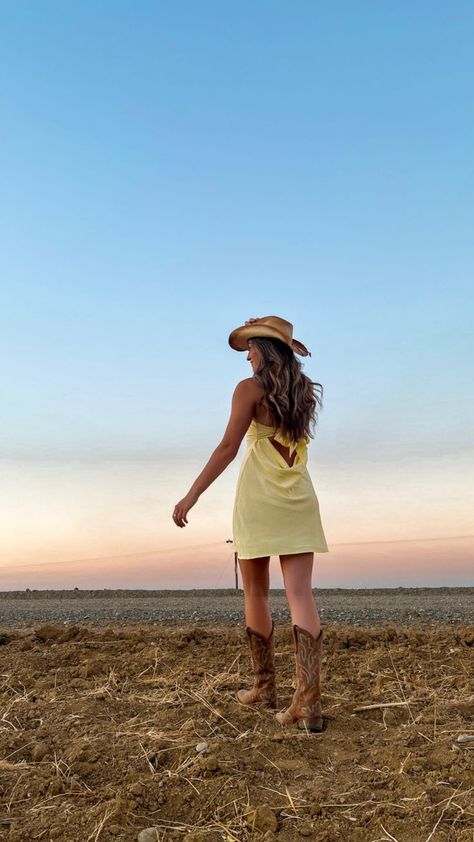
(239,337)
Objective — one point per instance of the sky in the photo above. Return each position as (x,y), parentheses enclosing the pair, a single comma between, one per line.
(169,170)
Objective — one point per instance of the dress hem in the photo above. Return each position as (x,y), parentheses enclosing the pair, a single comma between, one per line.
(260,554)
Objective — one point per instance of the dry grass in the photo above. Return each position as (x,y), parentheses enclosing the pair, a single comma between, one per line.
(99,729)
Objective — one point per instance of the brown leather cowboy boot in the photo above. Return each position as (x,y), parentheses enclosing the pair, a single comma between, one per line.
(305,708)
(262,651)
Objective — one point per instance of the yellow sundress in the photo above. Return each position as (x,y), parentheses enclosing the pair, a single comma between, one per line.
(276,509)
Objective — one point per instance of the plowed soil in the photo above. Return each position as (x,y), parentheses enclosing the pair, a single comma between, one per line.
(108,730)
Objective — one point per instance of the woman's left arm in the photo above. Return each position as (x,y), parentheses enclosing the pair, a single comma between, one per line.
(242,412)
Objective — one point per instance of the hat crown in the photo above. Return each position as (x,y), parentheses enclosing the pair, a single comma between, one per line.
(281,325)
(267,327)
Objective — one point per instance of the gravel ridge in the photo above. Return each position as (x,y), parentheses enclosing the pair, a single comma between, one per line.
(363,606)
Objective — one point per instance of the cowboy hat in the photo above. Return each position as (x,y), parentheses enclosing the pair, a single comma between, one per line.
(267,326)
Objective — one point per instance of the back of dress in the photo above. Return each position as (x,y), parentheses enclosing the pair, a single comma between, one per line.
(276,510)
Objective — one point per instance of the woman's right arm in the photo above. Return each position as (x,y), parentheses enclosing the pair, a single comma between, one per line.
(243,406)
(242,412)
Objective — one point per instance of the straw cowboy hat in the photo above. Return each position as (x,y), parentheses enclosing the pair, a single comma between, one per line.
(267,326)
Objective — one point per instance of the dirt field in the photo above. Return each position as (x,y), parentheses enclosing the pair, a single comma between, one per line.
(111,728)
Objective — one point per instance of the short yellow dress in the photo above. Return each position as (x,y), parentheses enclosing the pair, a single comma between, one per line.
(276,509)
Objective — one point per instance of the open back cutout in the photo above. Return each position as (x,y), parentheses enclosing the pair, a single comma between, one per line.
(285,452)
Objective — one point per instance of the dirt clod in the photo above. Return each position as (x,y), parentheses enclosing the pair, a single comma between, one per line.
(262,818)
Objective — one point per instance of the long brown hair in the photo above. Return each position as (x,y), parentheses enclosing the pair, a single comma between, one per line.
(291,398)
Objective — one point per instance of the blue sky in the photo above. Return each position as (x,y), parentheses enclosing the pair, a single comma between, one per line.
(172,169)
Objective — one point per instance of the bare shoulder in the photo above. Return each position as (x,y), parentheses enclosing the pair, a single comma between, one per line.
(245,391)
(250,385)
(244,400)
(249,389)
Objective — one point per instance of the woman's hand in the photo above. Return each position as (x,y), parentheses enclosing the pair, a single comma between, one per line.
(182,508)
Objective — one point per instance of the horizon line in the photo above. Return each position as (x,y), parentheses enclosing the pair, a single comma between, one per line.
(218,543)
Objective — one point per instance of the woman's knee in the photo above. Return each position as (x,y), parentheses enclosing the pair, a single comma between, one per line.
(255,577)
(297,573)
(299,591)
(256,595)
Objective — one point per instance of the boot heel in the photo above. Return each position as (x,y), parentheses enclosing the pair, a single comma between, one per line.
(315,726)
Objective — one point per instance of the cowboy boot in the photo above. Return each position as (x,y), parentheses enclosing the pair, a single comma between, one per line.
(262,650)
(305,708)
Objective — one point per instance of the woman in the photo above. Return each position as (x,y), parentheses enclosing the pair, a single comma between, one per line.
(276,510)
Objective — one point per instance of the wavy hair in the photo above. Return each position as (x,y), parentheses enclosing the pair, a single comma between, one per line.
(291,398)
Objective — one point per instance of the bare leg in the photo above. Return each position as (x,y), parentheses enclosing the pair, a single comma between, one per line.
(297,572)
(256,582)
